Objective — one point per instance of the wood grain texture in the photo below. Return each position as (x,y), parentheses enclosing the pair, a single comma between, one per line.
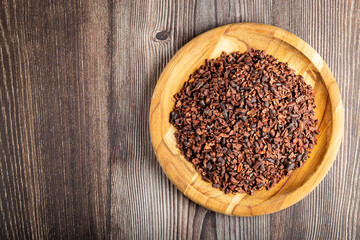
(287,48)
(54,120)
(76,81)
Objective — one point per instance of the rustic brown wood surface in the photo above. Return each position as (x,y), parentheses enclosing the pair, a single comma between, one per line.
(76,81)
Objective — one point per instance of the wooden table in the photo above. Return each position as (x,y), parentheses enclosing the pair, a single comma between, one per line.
(76,80)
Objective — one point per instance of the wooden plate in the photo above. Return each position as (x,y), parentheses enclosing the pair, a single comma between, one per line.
(287,48)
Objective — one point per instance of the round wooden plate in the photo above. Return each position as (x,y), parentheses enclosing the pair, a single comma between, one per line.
(287,48)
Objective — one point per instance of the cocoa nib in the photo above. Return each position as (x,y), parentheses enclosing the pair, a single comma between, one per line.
(245,120)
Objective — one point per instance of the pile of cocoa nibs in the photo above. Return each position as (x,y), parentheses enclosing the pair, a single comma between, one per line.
(245,120)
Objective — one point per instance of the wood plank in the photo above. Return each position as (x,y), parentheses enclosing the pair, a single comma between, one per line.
(55,70)
(152,205)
